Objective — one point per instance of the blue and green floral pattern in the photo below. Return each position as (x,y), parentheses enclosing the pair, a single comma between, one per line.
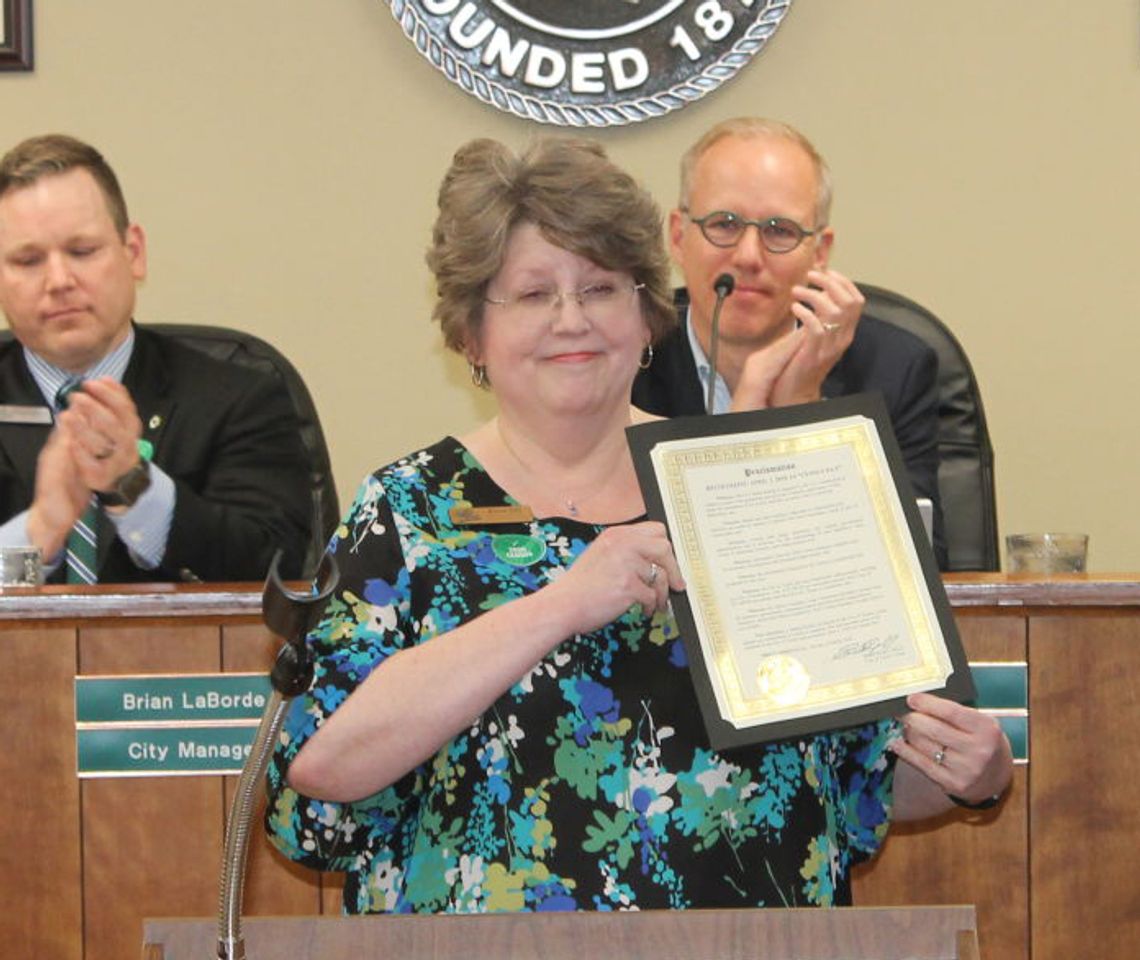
(588,785)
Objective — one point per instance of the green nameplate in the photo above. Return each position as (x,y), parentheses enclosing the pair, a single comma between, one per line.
(162,751)
(1001,686)
(204,724)
(171,699)
(1017,729)
(1003,690)
(164,725)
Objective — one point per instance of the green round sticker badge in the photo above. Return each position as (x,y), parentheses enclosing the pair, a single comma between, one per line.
(518,549)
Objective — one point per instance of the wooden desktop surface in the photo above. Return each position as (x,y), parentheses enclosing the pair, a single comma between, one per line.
(1052,871)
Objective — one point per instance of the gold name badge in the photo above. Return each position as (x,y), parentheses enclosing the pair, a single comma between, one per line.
(484,516)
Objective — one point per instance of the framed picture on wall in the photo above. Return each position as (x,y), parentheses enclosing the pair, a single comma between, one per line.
(15,34)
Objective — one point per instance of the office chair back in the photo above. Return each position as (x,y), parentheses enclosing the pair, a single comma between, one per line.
(965,455)
(245,349)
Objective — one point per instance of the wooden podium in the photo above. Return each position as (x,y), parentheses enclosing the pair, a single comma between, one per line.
(82,862)
(904,933)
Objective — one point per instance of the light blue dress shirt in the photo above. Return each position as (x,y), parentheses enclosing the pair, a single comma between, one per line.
(722,396)
(145,527)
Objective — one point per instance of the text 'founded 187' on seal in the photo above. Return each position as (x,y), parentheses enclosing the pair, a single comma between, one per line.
(589,62)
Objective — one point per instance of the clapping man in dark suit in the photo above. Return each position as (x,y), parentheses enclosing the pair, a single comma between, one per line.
(125,456)
(755,199)
(755,202)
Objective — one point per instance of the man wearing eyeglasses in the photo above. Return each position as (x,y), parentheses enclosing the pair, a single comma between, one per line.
(755,197)
(755,200)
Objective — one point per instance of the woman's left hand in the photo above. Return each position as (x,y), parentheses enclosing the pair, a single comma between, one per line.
(958,749)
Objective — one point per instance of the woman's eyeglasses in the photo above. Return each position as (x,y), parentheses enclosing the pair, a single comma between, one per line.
(598,301)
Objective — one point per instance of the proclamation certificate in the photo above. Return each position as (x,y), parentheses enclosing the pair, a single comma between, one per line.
(810,603)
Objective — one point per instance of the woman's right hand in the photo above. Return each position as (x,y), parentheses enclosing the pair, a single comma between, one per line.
(387,725)
(624,566)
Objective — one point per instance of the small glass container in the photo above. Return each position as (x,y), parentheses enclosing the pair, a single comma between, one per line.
(21,567)
(1046,552)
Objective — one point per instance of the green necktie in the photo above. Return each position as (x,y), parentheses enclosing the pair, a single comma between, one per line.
(81,547)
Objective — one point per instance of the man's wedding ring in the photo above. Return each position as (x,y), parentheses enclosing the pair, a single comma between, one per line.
(830,327)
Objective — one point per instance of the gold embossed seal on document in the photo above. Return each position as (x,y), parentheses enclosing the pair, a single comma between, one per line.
(783,679)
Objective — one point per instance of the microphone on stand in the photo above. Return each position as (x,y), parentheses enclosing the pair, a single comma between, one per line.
(723,285)
(290,615)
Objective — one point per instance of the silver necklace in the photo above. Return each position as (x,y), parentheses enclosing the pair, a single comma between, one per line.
(572,505)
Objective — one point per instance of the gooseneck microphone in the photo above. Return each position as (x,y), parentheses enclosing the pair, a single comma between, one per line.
(290,615)
(723,285)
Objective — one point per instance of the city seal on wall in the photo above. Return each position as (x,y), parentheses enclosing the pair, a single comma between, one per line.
(589,63)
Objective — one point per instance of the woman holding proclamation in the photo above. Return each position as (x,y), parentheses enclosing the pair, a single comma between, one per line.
(502,716)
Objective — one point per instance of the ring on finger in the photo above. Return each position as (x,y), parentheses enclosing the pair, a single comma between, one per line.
(940,755)
(651,578)
(830,327)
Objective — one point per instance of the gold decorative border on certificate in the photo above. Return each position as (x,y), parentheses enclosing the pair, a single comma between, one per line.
(674,460)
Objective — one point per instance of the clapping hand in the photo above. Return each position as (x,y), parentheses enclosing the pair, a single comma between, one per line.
(792,369)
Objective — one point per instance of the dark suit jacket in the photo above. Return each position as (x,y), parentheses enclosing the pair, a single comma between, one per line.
(226,435)
(882,357)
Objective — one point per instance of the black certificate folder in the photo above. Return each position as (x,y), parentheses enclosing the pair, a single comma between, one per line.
(813,600)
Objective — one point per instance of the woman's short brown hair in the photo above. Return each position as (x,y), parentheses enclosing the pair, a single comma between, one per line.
(577,198)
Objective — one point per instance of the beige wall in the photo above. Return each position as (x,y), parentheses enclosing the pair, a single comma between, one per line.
(283,157)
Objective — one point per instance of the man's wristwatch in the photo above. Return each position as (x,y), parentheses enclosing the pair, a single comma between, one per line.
(128,488)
